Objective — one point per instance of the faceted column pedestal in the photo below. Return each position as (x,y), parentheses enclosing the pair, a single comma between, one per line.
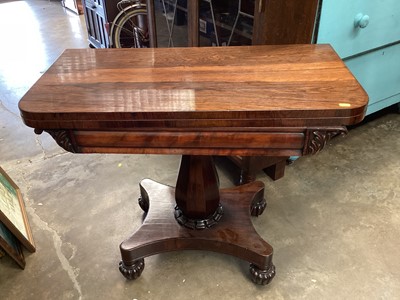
(196,215)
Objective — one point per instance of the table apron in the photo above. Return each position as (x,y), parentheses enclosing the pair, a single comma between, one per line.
(189,142)
(190,139)
(270,142)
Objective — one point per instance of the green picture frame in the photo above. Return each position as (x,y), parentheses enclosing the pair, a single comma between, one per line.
(12,212)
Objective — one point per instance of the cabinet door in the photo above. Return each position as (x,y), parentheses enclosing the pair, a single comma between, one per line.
(95,16)
(234,22)
(378,25)
(284,21)
(182,23)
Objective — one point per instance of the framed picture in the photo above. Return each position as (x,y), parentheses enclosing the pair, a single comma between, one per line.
(10,245)
(12,212)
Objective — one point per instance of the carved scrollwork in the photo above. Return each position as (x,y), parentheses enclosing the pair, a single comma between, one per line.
(262,276)
(133,271)
(257,208)
(62,137)
(258,204)
(316,139)
(198,223)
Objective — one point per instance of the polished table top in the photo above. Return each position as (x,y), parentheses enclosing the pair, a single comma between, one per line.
(194,97)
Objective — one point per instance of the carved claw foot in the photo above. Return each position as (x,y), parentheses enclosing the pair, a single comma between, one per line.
(258,204)
(260,276)
(133,271)
(245,177)
(257,208)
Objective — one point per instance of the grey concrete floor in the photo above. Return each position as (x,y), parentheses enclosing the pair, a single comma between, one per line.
(333,220)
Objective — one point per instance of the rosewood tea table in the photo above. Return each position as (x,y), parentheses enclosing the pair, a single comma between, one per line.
(273,101)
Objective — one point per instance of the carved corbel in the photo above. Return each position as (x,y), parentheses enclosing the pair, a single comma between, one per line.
(316,138)
(62,137)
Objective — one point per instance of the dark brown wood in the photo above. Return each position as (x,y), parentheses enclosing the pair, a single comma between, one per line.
(197,188)
(284,21)
(193,23)
(233,235)
(256,100)
(276,170)
(190,142)
(249,166)
(318,137)
(202,89)
(260,100)
(64,138)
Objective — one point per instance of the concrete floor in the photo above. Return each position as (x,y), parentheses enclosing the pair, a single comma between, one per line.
(333,220)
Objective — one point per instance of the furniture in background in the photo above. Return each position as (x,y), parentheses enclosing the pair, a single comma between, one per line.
(73,5)
(98,15)
(284,21)
(249,166)
(366,35)
(258,21)
(297,98)
(241,22)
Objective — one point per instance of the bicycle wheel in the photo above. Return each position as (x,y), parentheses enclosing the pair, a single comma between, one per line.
(130,30)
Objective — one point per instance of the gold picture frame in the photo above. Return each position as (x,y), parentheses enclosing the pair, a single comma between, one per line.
(12,212)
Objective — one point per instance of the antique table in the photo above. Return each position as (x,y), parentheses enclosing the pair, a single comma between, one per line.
(198,102)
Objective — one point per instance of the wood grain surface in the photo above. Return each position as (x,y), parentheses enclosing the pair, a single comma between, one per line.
(293,85)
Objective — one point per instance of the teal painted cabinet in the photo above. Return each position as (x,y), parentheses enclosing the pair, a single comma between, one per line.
(366,35)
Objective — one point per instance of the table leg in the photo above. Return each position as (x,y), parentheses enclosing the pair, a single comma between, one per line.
(196,215)
(274,167)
